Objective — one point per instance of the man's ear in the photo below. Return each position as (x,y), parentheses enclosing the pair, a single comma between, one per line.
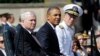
(48,16)
(22,20)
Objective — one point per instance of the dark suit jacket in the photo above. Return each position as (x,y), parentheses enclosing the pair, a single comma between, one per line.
(25,45)
(96,8)
(9,34)
(96,52)
(48,39)
(87,18)
(1,53)
(1,28)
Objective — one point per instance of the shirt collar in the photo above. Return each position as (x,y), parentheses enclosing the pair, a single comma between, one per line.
(27,29)
(9,24)
(99,50)
(51,25)
(3,23)
(3,50)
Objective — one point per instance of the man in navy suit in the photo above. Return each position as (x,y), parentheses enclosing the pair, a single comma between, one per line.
(3,21)
(25,44)
(9,34)
(46,35)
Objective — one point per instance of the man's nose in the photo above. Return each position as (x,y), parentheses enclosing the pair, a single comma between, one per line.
(58,16)
(33,22)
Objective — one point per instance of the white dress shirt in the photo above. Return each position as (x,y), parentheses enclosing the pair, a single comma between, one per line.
(3,51)
(51,25)
(99,50)
(10,24)
(65,35)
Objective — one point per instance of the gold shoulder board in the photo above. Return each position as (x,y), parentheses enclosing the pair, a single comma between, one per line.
(61,26)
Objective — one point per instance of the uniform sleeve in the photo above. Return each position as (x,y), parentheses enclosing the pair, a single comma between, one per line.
(59,33)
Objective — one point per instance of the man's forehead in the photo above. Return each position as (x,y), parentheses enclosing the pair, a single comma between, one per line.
(54,10)
(31,17)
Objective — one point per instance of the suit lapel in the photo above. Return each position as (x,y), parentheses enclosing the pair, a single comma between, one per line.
(29,36)
(53,35)
(1,53)
(51,29)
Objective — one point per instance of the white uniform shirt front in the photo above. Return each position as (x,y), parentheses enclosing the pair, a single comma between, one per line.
(65,35)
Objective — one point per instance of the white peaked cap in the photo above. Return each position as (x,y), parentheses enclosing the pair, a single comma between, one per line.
(70,6)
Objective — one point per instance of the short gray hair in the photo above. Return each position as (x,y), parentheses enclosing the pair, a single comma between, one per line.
(97,39)
(26,14)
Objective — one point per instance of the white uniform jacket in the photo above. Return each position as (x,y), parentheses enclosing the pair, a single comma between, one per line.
(65,35)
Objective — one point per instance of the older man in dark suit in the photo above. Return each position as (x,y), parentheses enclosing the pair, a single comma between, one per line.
(25,44)
(46,35)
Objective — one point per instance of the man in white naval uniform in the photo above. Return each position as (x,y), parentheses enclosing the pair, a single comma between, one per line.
(65,30)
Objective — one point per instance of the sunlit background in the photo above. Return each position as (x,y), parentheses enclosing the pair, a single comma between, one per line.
(40,7)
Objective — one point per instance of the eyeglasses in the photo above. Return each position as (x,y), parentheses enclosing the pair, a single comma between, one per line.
(1,41)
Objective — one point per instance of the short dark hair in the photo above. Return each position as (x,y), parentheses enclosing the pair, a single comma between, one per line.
(1,34)
(6,15)
(0,15)
(51,8)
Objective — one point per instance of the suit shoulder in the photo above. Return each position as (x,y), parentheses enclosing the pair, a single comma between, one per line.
(44,27)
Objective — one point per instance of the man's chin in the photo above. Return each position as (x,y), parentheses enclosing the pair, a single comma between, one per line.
(57,23)
(32,28)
